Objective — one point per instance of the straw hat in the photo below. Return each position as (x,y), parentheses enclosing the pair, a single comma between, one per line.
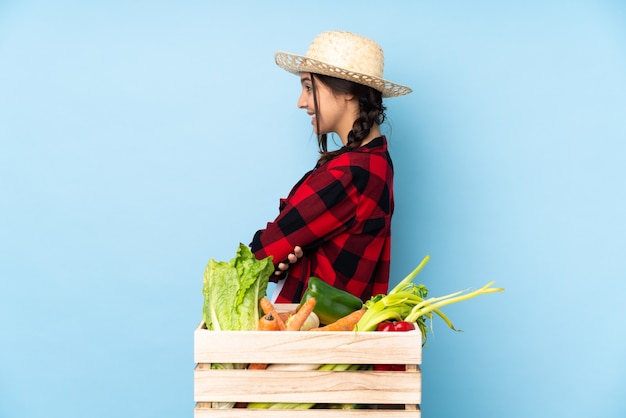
(343,55)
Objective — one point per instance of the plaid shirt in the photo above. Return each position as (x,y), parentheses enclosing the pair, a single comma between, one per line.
(340,214)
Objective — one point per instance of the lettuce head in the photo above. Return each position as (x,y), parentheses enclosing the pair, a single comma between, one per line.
(232,291)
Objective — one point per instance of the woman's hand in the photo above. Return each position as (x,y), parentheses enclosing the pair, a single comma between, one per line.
(291,259)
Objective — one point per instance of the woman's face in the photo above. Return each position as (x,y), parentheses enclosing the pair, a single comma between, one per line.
(335,112)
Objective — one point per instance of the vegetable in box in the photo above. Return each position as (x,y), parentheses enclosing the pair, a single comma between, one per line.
(232,290)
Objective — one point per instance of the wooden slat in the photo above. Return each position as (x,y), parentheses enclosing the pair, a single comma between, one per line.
(310,413)
(310,347)
(307,386)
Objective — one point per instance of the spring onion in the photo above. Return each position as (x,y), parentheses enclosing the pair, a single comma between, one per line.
(409,302)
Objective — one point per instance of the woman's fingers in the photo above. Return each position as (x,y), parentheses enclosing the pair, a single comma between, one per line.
(291,258)
(295,255)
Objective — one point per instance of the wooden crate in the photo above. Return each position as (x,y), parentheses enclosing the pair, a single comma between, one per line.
(383,393)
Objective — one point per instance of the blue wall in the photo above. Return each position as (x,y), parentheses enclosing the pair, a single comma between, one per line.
(139,140)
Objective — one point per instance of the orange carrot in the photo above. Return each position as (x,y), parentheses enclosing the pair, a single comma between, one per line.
(257,366)
(296,321)
(346,323)
(268,308)
(268,323)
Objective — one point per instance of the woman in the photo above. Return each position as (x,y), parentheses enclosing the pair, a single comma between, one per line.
(335,223)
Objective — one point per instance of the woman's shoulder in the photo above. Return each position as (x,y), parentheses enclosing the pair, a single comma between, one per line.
(363,169)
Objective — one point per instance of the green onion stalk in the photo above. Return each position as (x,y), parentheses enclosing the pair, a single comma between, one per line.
(409,302)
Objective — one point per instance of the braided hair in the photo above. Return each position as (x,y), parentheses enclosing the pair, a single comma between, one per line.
(371,111)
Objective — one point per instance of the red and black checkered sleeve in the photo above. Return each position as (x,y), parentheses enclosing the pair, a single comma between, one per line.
(324,204)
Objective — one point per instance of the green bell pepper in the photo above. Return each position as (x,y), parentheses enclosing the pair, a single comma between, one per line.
(331,303)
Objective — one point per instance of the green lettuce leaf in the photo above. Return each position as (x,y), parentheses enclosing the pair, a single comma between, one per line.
(232,291)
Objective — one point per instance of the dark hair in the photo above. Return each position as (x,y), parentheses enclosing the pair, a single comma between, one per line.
(371,111)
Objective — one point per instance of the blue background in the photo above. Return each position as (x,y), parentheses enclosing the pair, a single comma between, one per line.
(139,139)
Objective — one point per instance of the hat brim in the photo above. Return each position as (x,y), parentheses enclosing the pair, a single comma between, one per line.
(302,64)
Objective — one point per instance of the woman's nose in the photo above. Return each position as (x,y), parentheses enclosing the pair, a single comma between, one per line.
(302,104)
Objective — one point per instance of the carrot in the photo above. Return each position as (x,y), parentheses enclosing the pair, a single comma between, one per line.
(296,321)
(268,308)
(257,366)
(268,323)
(346,323)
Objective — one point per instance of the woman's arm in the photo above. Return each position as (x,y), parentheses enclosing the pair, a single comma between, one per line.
(323,205)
